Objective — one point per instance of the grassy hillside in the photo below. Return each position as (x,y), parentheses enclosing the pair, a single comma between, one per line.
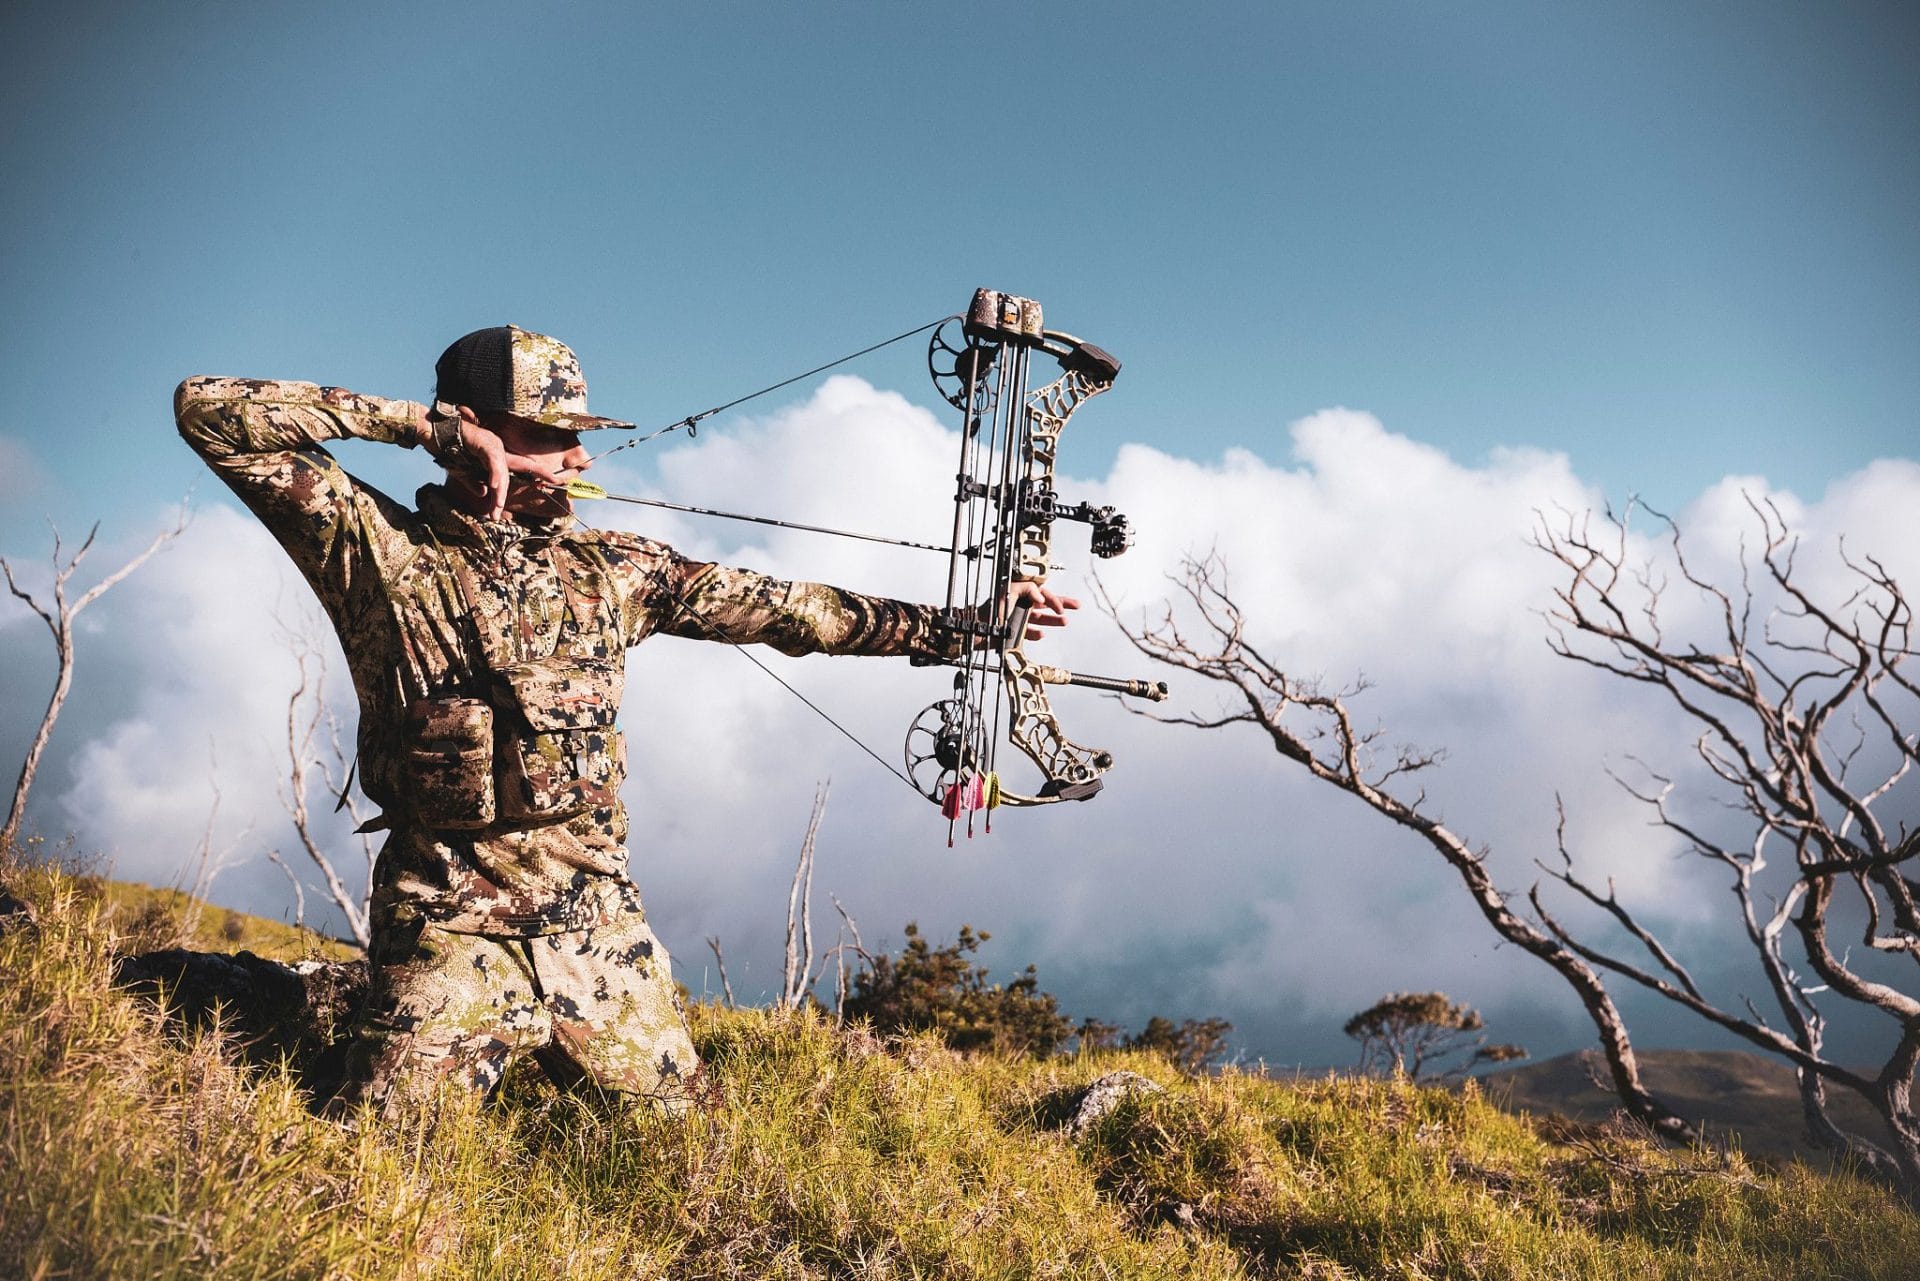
(143,916)
(127,1150)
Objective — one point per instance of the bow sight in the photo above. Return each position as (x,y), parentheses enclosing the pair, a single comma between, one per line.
(1111,535)
(1005,506)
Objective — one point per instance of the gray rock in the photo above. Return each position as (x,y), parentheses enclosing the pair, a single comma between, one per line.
(1079,1111)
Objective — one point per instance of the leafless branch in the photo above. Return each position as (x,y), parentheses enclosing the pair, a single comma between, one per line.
(207,860)
(840,950)
(720,960)
(1610,903)
(299,890)
(59,617)
(306,711)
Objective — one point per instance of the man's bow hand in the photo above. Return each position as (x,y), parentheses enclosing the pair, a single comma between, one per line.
(1045,607)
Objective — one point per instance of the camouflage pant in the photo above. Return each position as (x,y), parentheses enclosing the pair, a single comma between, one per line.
(595,1004)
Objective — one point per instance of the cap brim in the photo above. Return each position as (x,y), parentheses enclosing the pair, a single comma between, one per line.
(581,422)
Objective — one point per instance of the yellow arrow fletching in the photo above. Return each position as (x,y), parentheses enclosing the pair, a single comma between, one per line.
(577,488)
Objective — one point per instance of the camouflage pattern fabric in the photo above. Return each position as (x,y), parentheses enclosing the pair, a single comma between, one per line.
(430,606)
(425,601)
(569,758)
(547,385)
(595,1004)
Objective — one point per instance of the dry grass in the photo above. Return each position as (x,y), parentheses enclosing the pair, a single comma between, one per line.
(130,1150)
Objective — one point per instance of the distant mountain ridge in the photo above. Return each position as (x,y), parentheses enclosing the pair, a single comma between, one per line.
(1750,1098)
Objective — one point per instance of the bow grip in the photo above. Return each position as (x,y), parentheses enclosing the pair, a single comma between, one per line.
(1017,625)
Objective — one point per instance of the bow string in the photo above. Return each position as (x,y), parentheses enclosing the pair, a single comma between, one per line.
(1005,507)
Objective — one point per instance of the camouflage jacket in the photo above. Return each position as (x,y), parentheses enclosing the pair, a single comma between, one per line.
(425,600)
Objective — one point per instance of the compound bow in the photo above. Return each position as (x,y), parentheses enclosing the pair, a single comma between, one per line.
(1005,505)
(1004,509)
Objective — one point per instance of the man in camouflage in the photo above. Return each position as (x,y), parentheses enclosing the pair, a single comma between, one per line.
(485,632)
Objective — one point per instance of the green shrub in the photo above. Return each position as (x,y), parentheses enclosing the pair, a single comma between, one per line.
(929,989)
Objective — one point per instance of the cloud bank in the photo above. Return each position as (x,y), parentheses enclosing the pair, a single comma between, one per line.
(1210,878)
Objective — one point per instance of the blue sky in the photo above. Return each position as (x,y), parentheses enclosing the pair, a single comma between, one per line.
(1675,241)
(1671,242)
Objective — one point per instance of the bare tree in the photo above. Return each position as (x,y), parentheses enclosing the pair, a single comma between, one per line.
(839,951)
(207,860)
(720,960)
(1799,705)
(802,971)
(299,889)
(59,618)
(1314,728)
(1802,707)
(798,975)
(307,713)
(1419,1032)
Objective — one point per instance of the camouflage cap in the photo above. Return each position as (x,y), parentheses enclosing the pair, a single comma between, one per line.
(507,369)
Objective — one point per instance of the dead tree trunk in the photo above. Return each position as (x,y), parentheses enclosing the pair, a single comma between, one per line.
(59,619)
(1803,707)
(798,975)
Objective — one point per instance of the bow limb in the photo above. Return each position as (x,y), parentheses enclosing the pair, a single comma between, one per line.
(1071,770)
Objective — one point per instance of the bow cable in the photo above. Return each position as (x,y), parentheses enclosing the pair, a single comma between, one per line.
(691,423)
(748,654)
(1004,508)
(713,629)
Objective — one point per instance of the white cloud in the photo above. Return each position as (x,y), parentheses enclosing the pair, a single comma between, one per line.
(197,637)
(1209,878)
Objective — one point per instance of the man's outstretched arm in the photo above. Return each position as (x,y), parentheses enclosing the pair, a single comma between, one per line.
(713,602)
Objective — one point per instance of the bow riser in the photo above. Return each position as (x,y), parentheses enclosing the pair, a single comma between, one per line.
(1072,770)
(1047,412)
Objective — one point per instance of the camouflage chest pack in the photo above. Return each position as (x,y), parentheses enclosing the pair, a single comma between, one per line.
(524,741)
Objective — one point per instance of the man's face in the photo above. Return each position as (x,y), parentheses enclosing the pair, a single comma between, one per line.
(555,449)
